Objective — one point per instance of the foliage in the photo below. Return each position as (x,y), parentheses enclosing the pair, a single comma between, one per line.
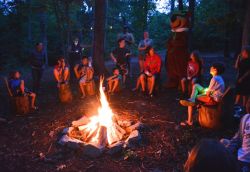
(216,23)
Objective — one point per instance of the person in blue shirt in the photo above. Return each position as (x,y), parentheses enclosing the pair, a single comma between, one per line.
(17,88)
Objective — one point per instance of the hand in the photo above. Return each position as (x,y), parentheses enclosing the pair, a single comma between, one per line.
(115,61)
(208,93)
(127,54)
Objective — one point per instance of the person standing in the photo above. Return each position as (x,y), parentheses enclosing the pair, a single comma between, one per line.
(74,55)
(37,62)
(119,55)
(130,40)
(143,44)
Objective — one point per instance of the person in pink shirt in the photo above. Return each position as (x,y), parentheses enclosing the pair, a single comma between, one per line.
(194,69)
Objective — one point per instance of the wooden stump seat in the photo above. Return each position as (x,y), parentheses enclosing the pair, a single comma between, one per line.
(90,88)
(19,105)
(214,116)
(65,94)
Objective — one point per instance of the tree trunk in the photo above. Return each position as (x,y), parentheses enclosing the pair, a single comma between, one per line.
(191,9)
(145,23)
(43,30)
(172,6)
(99,35)
(180,4)
(246,26)
(68,28)
(29,23)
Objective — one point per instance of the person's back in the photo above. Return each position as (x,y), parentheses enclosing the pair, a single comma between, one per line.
(210,156)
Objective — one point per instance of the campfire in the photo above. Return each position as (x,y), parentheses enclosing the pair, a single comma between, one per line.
(102,131)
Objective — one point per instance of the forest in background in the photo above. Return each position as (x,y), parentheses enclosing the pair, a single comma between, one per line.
(216,25)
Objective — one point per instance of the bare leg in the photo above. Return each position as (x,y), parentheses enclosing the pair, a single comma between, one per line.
(141,64)
(151,88)
(197,88)
(33,98)
(115,85)
(110,83)
(237,99)
(183,85)
(190,115)
(124,79)
(82,90)
(142,81)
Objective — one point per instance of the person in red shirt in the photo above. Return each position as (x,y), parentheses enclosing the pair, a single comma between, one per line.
(152,69)
(194,68)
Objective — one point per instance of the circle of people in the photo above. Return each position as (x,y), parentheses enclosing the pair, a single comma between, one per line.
(150,67)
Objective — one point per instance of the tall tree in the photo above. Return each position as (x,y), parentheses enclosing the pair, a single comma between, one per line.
(172,2)
(180,4)
(191,9)
(99,35)
(246,26)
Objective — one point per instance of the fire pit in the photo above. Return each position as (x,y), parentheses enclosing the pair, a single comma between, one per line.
(104,132)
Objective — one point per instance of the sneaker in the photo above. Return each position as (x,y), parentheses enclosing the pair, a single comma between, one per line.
(187,102)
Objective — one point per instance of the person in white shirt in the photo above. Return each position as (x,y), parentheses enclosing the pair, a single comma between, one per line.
(210,96)
(240,143)
(143,44)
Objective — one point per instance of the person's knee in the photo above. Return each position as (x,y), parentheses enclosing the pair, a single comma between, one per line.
(183,80)
(142,77)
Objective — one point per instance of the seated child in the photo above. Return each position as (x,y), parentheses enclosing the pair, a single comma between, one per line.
(152,69)
(210,96)
(61,72)
(243,79)
(17,88)
(240,143)
(114,81)
(193,71)
(84,73)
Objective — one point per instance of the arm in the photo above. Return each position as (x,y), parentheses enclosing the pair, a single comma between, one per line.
(66,74)
(90,73)
(140,47)
(22,86)
(237,62)
(56,75)
(113,57)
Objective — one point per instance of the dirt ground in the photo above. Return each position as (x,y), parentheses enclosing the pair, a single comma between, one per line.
(165,145)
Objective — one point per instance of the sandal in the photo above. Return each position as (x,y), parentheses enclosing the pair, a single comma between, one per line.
(186,123)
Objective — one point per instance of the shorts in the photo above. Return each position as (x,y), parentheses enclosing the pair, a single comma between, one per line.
(123,68)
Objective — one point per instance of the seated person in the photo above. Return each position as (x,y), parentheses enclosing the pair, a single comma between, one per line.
(119,55)
(114,81)
(152,69)
(210,96)
(240,142)
(17,88)
(61,72)
(210,156)
(84,73)
(193,72)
